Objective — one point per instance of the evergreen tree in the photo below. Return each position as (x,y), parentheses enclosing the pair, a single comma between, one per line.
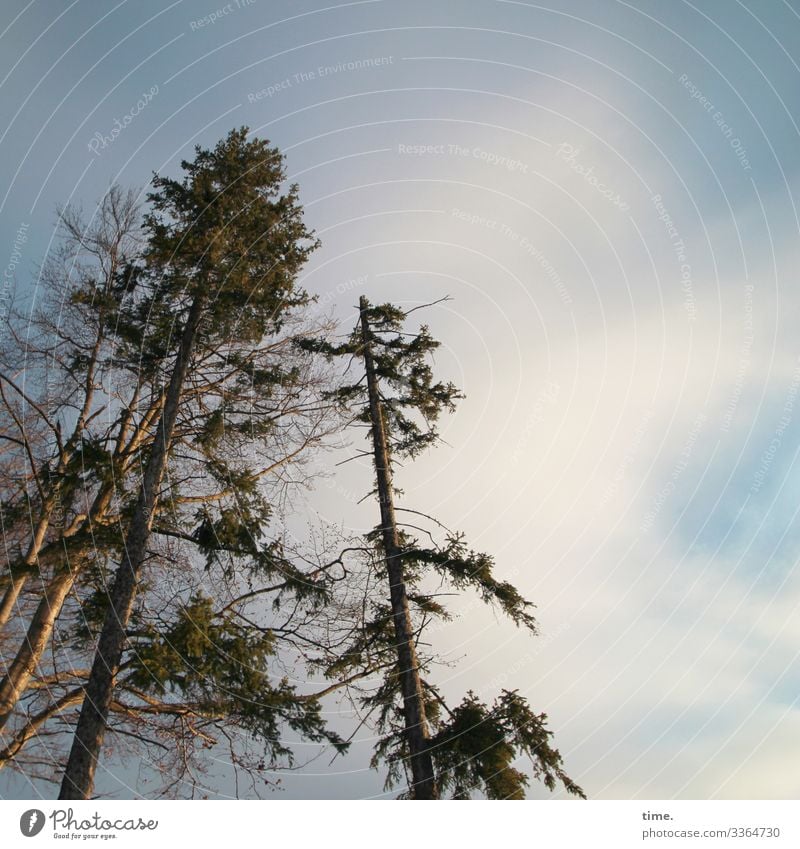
(442,750)
(225,246)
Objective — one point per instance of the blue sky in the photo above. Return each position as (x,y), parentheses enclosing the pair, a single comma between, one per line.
(608,191)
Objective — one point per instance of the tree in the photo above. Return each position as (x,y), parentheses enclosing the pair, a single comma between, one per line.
(54,388)
(224,250)
(470,747)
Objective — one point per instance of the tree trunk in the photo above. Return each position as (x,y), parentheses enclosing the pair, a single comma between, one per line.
(10,597)
(416,725)
(22,668)
(78,779)
(7,754)
(30,652)
(18,581)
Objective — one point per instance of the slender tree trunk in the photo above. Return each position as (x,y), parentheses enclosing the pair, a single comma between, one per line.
(18,582)
(78,779)
(10,597)
(30,652)
(73,697)
(27,658)
(37,540)
(424,781)
(20,671)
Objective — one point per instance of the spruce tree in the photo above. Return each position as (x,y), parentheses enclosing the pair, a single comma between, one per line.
(441,750)
(225,246)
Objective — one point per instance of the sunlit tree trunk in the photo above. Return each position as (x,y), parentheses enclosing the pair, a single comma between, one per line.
(25,663)
(33,645)
(19,580)
(10,598)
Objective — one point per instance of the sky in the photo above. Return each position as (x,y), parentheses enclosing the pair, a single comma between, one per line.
(607,192)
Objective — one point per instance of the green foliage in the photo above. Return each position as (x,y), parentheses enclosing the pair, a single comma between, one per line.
(372,646)
(221,668)
(230,538)
(229,531)
(477,746)
(464,568)
(216,660)
(227,232)
(473,746)
(412,399)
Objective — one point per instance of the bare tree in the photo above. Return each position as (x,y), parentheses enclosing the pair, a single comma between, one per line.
(54,388)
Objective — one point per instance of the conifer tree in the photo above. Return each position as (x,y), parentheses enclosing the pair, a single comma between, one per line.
(442,750)
(225,246)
